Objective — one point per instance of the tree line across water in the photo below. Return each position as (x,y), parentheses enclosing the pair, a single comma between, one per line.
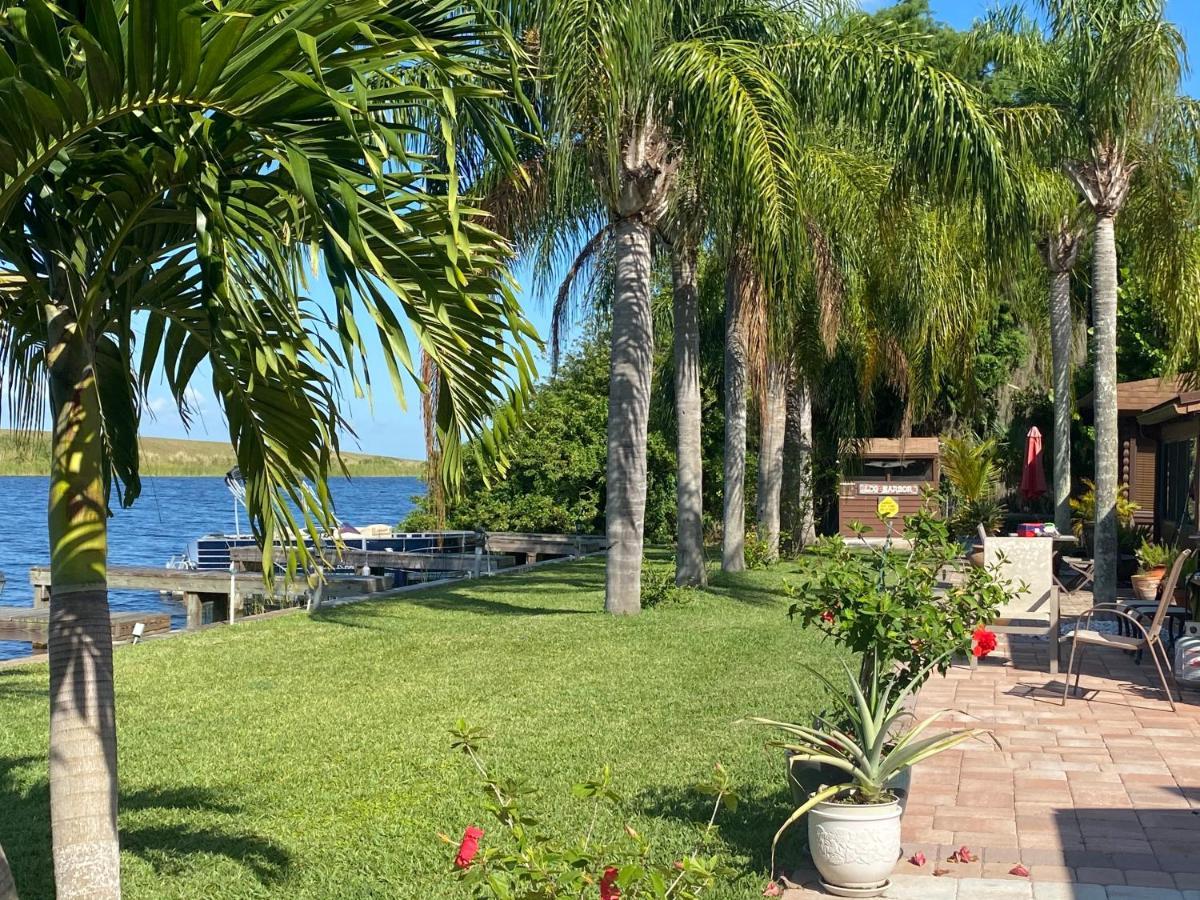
(864,201)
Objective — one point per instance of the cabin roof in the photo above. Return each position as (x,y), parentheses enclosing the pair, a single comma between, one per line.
(1135,397)
(901,448)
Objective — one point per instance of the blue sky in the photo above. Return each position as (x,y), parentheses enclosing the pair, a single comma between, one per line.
(383,427)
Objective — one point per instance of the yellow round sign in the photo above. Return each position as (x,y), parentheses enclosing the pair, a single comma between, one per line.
(888,508)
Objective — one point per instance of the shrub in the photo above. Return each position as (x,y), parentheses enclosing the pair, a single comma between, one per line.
(529,863)
(891,605)
(757,551)
(659,587)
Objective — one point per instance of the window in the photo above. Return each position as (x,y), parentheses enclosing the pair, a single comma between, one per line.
(898,469)
(1176,479)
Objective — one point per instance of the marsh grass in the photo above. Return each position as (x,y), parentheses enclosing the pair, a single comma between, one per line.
(308,757)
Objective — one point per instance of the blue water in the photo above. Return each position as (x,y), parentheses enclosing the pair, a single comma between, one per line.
(170,512)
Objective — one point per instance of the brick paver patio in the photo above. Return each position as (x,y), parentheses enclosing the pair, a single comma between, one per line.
(1098,799)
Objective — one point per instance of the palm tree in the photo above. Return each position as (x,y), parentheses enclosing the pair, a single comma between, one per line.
(169,174)
(1110,71)
(684,230)
(628,93)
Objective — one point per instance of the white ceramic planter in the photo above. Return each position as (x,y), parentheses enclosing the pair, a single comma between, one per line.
(855,848)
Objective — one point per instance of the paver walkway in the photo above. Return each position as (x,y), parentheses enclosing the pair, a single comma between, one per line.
(1098,799)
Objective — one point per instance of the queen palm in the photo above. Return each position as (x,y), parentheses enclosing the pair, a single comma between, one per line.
(170,173)
(1110,70)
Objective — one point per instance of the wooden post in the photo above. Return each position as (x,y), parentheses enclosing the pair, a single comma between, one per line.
(41,596)
(194,608)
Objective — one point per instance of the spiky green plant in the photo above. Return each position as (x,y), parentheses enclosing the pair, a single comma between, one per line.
(871,748)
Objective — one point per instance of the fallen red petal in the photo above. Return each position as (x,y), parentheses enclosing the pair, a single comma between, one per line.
(962,855)
(1020,870)
(772,890)
(917,859)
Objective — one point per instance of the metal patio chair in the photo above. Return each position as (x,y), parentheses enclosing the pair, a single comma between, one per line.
(1144,635)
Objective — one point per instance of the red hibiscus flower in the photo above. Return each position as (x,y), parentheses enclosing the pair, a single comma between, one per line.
(827,617)
(469,847)
(608,885)
(983,642)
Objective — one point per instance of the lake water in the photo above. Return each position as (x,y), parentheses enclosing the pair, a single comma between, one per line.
(169,514)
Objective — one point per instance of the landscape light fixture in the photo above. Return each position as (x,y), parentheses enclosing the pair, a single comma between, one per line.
(139,629)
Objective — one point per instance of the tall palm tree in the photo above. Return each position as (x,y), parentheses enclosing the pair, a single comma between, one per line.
(1110,71)
(629,92)
(684,230)
(170,172)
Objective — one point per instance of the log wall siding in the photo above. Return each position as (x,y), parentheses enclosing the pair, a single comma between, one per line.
(853,506)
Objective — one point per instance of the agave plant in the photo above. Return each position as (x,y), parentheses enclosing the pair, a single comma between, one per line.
(871,748)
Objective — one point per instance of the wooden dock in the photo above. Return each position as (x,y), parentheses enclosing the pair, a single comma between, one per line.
(221,589)
(531,548)
(250,558)
(24,623)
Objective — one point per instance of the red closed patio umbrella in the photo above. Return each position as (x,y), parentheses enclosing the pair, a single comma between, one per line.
(1033,476)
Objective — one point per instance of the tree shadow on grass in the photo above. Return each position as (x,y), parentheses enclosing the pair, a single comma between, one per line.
(360,616)
(747,831)
(745,589)
(25,830)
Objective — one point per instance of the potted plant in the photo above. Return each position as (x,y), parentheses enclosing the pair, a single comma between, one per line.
(1153,561)
(854,825)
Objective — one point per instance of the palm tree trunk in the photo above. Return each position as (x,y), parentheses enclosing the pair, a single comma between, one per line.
(1104,316)
(628,414)
(733,541)
(770,455)
(8,888)
(83,730)
(689,555)
(799,520)
(1060,345)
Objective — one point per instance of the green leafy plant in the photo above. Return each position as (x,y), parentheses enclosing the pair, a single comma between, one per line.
(970,466)
(1083,509)
(893,606)
(659,587)
(757,551)
(972,470)
(872,747)
(1153,555)
(532,865)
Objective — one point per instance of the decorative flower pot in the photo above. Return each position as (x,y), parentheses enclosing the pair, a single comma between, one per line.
(975,556)
(1145,587)
(855,848)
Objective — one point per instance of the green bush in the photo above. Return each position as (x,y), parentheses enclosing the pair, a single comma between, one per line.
(659,587)
(892,605)
(555,480)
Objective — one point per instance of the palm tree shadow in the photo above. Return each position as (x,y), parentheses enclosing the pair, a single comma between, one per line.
(167,848)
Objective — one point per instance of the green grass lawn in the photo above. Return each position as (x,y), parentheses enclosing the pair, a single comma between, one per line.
(308,757)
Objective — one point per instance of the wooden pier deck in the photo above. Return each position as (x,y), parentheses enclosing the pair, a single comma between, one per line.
(25,623)
(250,558)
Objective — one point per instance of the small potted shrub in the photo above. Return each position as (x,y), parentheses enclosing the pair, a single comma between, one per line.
(1153,562)
(854,824)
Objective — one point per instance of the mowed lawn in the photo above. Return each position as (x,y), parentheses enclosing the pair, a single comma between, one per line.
(309,757)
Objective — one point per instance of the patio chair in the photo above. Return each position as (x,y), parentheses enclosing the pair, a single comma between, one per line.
(1032,607)
(1145,635)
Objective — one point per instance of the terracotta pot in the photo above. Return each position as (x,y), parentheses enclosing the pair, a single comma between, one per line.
(1145,586)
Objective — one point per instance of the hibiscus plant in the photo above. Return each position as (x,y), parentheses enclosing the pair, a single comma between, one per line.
(527,862)
(911,609)
(876,737)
